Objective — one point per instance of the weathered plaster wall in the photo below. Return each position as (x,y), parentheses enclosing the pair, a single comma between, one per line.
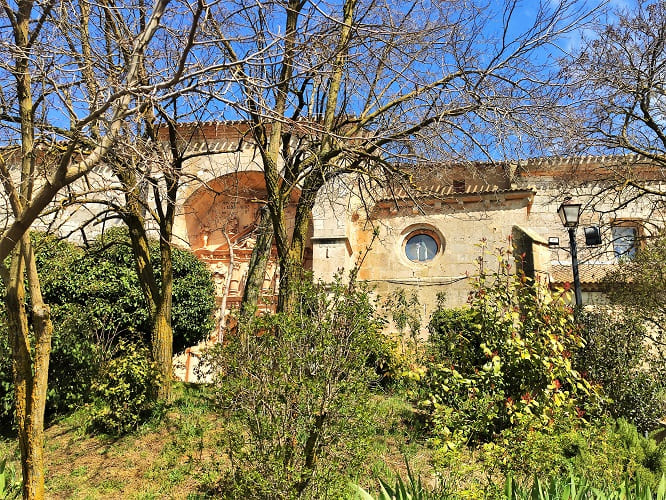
(604,203)
(466,232)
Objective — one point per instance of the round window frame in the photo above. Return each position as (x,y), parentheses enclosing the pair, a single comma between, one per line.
(416,230)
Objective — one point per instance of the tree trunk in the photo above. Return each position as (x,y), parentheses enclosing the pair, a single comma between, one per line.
(19,342)
(291,273)
(158,297)
(256,271)
(162,350)
(291,264)
(30,373)
(227,286)
(43,332)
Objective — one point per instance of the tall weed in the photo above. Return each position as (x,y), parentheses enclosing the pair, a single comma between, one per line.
(10,485)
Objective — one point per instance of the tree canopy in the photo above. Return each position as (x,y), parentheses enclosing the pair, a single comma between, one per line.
(615,82)
(363,91)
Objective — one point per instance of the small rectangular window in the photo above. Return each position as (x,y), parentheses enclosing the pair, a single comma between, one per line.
(459,186)
(625,237)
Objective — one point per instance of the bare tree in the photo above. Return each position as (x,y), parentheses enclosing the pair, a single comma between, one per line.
(617,83)
(150,177)
(373,88)
(65,96)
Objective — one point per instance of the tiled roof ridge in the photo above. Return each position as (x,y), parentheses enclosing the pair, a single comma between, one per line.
(447,191)
(579,159)
(535,160)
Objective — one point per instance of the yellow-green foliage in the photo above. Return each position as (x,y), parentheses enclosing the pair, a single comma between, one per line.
(505,361)
(123,396)
(603,453)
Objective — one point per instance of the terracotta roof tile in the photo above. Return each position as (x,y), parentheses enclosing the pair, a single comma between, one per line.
(448,191)
(590,274)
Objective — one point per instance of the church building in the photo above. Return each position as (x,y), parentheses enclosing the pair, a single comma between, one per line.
(429,239)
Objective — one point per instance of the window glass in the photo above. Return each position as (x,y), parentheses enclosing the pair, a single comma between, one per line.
(624,241)
(421,248)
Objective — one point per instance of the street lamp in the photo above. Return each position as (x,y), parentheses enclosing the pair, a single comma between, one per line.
(569,214)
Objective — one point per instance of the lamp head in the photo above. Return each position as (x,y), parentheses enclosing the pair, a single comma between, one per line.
(569,213)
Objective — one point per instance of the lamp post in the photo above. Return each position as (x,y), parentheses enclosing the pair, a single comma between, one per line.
(569,214)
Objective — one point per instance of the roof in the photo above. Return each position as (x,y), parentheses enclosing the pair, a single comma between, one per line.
(223,135)
(591,275)
(589,168)
(453,192)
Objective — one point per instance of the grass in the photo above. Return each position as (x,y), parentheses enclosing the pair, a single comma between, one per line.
(181,455)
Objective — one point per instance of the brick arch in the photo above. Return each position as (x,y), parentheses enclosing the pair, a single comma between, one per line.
(228,203)
(225,211)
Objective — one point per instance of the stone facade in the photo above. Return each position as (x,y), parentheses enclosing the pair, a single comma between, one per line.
(454,218)
(461,208)
(426,241)
(482,209)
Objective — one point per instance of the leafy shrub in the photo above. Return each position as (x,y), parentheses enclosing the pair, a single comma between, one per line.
(295,386)
(77,352)
(96,300)
(103,280)
(503,361)
(603,454)
(122,396)
(455,338)
(617,357)
(73,350)
(644,458)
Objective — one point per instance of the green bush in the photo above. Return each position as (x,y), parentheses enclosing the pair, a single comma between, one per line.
(296,386)
(76,354)
(603,454)
(506,359)
(455,338)
(616,356)
(103,280)
(644,458)
(95,301)
(123,394)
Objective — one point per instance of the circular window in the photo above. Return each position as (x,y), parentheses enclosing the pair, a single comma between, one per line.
(421,247)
